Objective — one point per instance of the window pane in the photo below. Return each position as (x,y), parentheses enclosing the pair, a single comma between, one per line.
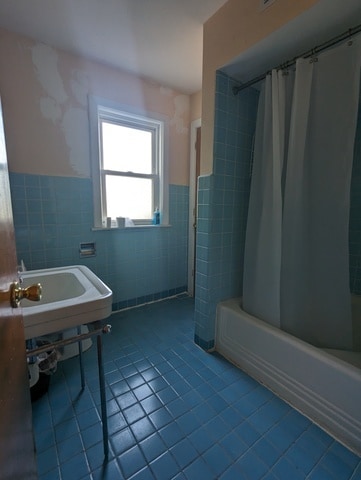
(126,149)
(129,197)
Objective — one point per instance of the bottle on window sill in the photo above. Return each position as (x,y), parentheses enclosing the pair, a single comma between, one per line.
(156,217)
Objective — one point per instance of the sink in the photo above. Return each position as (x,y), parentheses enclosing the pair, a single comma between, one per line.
(71,296)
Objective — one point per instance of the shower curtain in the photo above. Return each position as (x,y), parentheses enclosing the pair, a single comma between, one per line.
(262,262)
(296,255)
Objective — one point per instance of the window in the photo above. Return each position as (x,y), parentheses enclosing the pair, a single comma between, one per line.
(127,164)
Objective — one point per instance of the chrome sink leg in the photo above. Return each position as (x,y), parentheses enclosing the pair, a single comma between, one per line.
(99,330)
(81,365)
(102,396)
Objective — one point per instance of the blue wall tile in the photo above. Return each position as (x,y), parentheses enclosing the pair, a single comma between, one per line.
(223,205)
(53,215)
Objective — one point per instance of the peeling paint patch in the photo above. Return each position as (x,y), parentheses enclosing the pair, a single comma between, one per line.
(56,107)
(50,109)
(74,124)
(181,104)
(79,84)
(45,60)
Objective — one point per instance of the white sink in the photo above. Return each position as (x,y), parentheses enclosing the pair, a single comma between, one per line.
(71,296)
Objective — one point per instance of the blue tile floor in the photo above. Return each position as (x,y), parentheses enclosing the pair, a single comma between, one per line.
(175,412)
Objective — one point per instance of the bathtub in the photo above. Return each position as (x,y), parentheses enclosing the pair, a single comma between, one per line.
(325,385)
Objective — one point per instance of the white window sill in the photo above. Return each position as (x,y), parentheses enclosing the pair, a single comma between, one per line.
(129,229)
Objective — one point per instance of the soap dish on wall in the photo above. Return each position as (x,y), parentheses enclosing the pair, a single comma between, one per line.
(87,249)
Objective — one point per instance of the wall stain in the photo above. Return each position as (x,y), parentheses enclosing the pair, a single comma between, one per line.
(59,107)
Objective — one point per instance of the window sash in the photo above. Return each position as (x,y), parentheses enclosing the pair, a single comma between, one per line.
(155,191)
(153,130)
(154,176)
(101,109)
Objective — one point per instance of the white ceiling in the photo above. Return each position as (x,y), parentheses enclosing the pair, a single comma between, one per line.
(163,39)
(158,39)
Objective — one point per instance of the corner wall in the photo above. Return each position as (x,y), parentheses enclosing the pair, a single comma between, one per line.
(223,206)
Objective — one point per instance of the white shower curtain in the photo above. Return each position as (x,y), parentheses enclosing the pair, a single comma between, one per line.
(315,301)
(262,262)
(296,257)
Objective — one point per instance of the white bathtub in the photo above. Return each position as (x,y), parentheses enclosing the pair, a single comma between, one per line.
(323,386)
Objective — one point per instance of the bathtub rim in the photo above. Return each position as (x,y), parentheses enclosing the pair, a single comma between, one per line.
(334,411)
(317,352)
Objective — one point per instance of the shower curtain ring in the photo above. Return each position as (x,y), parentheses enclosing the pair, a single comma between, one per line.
(314,58)
(350,42)
(284,68)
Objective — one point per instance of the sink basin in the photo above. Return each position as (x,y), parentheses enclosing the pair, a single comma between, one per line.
(71,296)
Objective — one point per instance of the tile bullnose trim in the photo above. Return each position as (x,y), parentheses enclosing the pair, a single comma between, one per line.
(207,345)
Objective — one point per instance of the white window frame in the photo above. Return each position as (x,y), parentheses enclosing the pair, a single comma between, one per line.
(101,109)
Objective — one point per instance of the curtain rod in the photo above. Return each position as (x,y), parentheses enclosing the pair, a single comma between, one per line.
(309,53)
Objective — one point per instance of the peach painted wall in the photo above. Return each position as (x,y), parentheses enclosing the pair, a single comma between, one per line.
(233,29)
(44,94)
(196,106)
